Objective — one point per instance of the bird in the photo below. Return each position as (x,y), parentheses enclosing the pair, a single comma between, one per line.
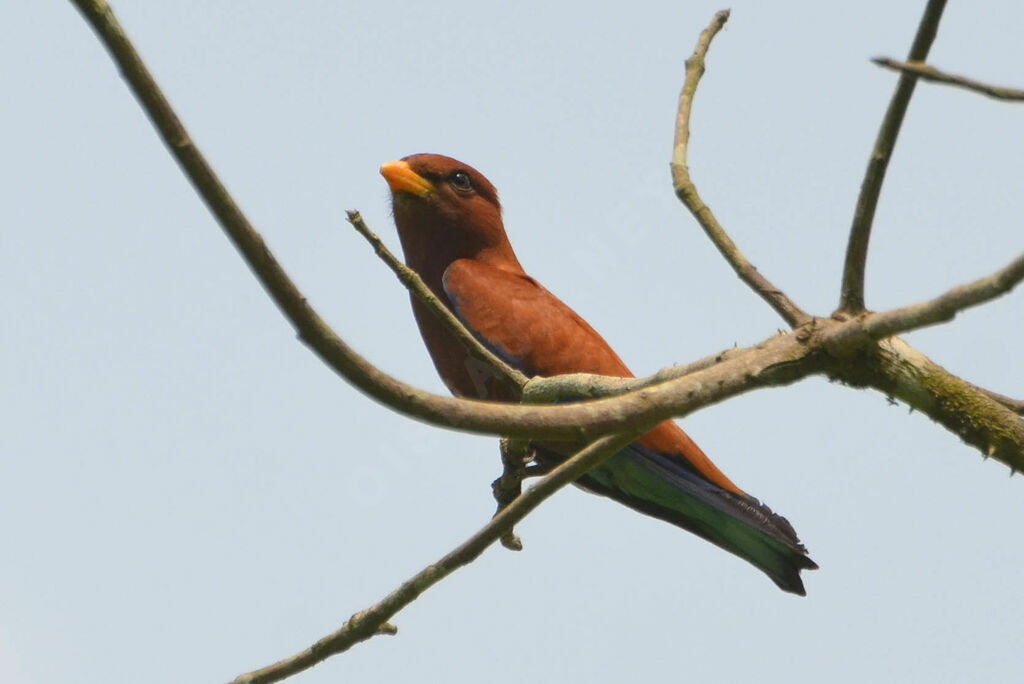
(450,226)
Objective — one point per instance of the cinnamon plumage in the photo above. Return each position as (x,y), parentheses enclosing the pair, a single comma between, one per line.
(450,226)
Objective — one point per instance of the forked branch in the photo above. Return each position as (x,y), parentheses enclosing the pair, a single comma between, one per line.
(876,326)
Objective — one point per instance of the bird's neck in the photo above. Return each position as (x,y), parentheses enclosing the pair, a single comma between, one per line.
(430,258)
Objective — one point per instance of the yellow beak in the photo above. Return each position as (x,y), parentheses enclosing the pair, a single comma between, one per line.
(402,178)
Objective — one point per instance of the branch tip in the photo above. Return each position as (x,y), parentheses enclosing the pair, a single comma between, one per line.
(687,193)
(369,622)
(412,282)
(930,73)
(945,307)
(851,298)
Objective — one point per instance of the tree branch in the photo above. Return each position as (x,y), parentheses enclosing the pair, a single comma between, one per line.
(367,623)
(901,371)
(686,190)
(851,300)
(930,73)
(877,326)
(412,282)
(578,386)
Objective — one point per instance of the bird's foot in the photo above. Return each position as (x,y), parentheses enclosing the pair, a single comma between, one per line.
(515,455)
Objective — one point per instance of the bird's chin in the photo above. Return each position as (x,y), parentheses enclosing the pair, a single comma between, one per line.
(407,207)
(411,199)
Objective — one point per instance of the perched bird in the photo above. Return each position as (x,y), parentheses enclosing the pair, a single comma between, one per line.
(449,222)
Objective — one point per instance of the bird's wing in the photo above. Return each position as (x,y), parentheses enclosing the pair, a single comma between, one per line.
(532,329)
(525,323)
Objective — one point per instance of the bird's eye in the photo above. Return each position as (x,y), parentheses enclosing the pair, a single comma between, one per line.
(461,181)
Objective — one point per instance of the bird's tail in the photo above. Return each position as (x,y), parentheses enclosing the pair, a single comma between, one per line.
(660,486)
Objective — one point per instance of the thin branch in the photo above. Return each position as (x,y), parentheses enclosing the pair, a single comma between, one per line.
(686,190)
(930,73)
(367,623)
(947,305)
(577,386)
(412,281)
(851,300)
(877,326)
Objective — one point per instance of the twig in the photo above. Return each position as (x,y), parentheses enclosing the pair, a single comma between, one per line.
(947,305)
(851,300)
(366,624)
(930,73)
(419,289)
(686,190)
(877,326)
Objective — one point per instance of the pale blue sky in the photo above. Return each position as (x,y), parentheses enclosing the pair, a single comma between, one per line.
(187,493)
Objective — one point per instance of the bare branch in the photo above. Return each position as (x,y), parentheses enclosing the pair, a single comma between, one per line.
(942,308)
(367,623)
(686,190)
(412,281)
(930,73)
(851,300)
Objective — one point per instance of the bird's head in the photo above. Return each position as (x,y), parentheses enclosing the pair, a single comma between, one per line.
(446,209)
